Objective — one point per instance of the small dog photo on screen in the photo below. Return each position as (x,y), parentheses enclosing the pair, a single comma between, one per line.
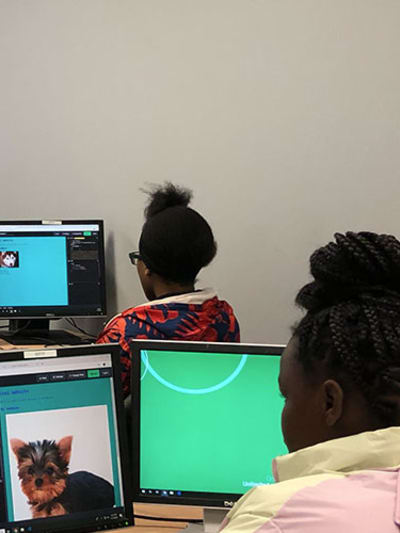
(9,259)
(60,462)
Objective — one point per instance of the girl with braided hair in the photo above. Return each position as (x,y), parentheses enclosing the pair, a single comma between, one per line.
(340,378)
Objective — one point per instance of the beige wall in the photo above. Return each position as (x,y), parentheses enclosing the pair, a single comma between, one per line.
(282,115)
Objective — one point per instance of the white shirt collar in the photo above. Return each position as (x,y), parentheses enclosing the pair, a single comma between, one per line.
(369,450)
(195,298)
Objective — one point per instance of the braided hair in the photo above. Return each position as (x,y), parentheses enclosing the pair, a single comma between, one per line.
(352,322)
(176,241)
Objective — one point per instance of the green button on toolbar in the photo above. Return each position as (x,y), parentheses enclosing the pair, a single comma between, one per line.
(93,373)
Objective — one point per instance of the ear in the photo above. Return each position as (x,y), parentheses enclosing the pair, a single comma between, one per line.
(64,445)
(16,445)
(333,401)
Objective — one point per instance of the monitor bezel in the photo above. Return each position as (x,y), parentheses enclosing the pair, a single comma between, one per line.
(198,499)
(54,313)
(98,349)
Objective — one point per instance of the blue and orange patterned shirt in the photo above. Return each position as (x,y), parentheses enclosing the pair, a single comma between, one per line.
(195,316)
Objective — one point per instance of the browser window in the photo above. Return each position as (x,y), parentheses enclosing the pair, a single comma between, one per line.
(59,446)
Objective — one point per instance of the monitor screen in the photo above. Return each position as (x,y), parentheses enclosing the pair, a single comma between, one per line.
(62,466)
(52,269)
(206,420)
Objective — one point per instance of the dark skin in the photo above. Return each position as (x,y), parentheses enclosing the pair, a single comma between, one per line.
(155,286)
(317,407)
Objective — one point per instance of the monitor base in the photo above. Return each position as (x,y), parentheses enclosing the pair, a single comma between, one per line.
(211,522)
(29,331)
(193,528)
(46,337)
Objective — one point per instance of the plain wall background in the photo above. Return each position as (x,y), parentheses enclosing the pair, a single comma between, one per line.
(282,115)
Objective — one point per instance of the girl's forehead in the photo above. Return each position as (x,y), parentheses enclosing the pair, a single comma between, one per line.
(292,373)
(289,362)
(290,352)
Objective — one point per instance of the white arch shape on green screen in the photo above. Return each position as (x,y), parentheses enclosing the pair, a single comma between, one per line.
(184,390)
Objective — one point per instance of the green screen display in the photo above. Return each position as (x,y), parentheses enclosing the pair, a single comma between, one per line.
(209,422)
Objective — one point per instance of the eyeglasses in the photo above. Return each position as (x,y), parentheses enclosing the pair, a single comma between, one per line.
(134,257)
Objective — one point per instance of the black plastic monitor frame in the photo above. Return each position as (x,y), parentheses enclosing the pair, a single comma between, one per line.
(49,524)
(37,312)
(210,499)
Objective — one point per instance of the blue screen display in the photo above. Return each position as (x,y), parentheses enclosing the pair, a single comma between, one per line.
(38,274)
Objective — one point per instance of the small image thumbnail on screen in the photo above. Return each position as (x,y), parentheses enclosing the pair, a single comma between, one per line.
(9,259)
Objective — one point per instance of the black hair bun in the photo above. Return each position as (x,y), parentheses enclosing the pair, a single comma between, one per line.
(176,241)
(356,266)
(164,196)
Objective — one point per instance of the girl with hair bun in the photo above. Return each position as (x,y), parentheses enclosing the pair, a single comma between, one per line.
(340,378)
(175,244)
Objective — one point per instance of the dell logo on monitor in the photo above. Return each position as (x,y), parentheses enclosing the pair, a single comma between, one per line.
(228,503)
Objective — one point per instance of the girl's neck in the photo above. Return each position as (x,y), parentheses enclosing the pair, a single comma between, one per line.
(172,289)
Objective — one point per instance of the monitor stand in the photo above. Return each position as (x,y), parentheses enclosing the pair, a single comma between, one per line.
(212,518)
(25,331)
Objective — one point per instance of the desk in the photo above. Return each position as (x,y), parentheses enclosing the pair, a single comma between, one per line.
(164,511)
(6,346)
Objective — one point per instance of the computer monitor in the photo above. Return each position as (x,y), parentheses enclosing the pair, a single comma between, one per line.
(50,269)
(206,421)
(63,454)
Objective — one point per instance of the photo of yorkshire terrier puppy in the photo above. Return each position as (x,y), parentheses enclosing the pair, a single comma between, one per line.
(50,489)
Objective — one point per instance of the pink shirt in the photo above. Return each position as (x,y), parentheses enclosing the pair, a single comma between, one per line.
(341,486)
